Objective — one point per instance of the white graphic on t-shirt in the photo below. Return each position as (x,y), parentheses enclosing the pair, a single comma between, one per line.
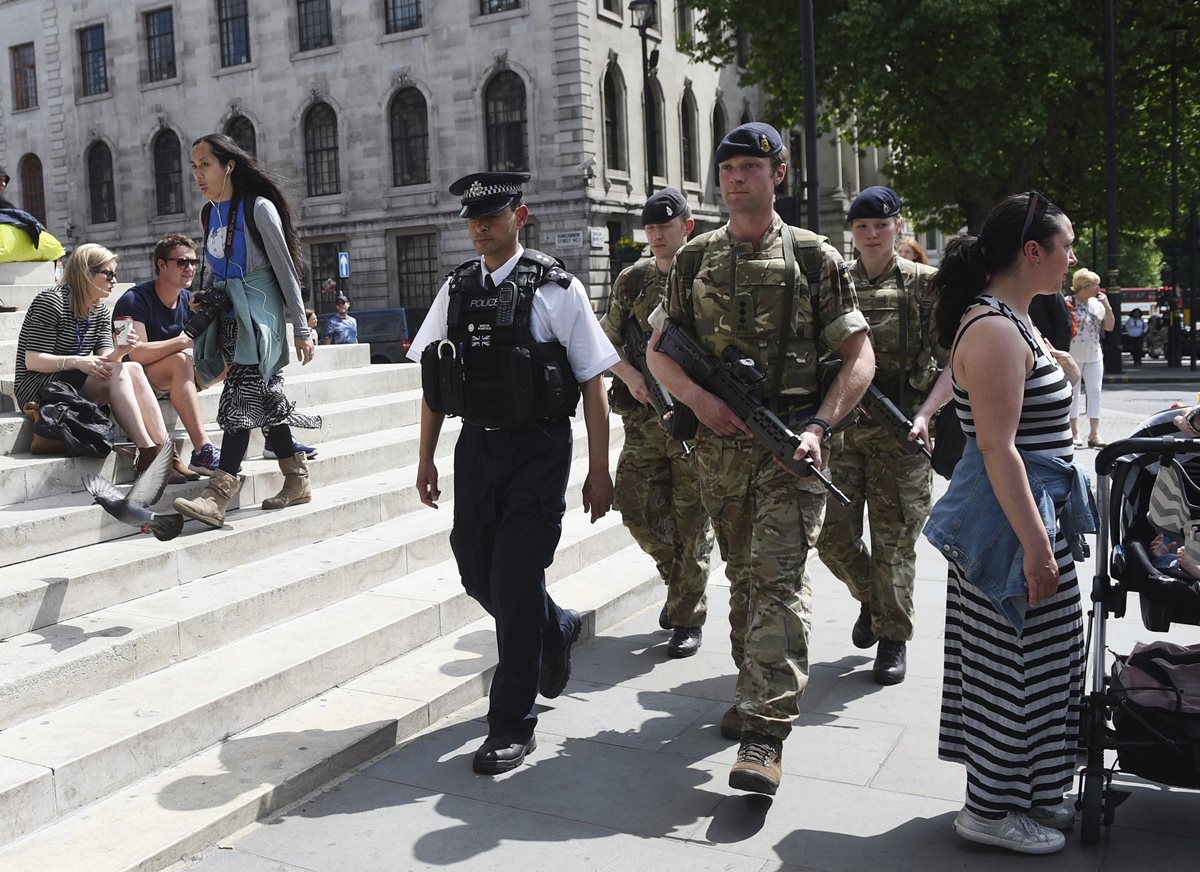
(216,242)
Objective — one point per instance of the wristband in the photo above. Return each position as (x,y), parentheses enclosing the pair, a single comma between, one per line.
(820,422)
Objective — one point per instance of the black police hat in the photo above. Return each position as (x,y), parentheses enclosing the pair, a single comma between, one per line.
(662,206)
(874,202)
(755,139)
(485,193)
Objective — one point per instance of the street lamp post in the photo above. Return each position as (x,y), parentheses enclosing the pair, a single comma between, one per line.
(644,14)
(807,43)
(1112,353)
(1174,330)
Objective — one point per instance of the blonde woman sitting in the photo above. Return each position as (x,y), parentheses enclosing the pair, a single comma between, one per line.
(67,337)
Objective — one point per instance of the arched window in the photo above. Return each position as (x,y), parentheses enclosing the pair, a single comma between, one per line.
(241,130)
(688,139)
(168,174)
(505,122)
(656,155)
(321,150)
(409,121)
(614,120)
(720,126)
(100,184)
(33,194)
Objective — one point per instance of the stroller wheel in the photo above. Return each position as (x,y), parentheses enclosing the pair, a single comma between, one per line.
(1093,807)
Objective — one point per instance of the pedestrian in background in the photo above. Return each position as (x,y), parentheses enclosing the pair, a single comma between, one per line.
(657,489)
(1093,317)
(341,329)
(1135,329)
(1013,674)
(733,292)
(252,274)
(893,486)
(910,249)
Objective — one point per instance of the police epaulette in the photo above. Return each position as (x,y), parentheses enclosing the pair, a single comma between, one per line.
(559,276)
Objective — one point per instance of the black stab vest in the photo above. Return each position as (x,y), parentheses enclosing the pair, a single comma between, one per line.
(490,370)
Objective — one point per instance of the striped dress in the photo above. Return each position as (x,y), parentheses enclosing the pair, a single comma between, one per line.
(1010,700)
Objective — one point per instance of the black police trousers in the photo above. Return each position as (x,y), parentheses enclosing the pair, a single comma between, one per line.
(509,499)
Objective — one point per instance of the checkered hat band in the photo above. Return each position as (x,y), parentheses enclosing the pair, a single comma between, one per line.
(478,191)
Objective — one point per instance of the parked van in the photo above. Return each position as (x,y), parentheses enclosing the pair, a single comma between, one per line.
(388,331)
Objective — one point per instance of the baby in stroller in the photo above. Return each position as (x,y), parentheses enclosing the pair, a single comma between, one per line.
(1153,505)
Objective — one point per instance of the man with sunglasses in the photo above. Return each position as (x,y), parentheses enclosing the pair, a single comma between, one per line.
(159,309)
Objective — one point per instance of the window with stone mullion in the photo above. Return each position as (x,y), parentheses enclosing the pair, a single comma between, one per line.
(233,24)
(92,60)
(417,274)
(401,15)
(160,45)
(315,24)
(410,138)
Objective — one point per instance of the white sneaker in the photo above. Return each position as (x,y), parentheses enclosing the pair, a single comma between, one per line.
(1059,817)
(1015,831)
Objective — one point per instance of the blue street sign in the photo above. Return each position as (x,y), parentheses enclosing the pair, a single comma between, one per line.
(343,264)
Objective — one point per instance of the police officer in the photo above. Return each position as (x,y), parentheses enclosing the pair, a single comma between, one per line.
(733,286)
(893,294)
(510,343)
(657,490)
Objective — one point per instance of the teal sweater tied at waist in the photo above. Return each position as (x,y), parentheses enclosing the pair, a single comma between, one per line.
(262,330)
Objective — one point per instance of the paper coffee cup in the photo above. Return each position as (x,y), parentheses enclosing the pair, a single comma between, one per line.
(123,326)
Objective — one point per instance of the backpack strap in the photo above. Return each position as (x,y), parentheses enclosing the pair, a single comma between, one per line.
(785,323)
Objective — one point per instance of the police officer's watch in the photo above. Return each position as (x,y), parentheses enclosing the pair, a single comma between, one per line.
(820,422)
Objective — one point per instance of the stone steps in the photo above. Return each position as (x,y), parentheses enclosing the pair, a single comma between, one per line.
(192,803)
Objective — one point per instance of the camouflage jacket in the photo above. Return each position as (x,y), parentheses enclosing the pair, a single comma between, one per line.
(738,295)
(636,293)
(899,307)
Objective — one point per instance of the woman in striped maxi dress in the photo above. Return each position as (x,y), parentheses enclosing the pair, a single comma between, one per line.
(1009,697)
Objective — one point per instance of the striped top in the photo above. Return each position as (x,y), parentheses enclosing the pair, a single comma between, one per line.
(1045,426)
(51,327)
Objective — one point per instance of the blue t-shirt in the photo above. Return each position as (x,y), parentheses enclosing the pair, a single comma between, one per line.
(342,331)
(218,223)
(141,302)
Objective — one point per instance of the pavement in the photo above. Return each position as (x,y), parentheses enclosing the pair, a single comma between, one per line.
(631,773)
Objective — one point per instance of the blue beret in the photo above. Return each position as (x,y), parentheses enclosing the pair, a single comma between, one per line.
(755,139)
(485,193)
(874,202)
(662,206)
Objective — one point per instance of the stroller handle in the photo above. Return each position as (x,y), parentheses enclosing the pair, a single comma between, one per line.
(1163,446)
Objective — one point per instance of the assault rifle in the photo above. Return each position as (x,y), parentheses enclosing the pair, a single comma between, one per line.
(732,379)
(635,352)
(878,407)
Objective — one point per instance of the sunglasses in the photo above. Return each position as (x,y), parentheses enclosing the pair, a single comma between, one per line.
(1034,198)
(186,262)
(109,274)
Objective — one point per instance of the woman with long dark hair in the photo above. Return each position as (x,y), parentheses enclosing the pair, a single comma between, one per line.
(254,262)
(1009,525)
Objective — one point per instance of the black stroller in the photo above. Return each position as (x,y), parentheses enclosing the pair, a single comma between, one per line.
(1157,740)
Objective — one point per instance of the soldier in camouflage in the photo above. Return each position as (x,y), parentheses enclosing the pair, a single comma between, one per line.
(656,489)
(733,286)
(893,294)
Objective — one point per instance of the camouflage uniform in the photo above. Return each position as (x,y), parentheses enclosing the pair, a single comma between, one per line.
(656,489)
(872,469)
(766,519)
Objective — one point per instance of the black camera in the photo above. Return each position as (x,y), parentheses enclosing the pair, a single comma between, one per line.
(210,304)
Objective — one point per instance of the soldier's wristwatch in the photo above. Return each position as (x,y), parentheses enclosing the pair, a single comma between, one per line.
(820,422)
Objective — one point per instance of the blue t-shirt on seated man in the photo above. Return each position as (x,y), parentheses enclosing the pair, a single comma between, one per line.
(159,309)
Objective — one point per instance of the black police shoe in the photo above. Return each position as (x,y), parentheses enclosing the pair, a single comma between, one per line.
(891,662)
(861,635)
(500,754)
(685,641)
(664,620)
(556,666)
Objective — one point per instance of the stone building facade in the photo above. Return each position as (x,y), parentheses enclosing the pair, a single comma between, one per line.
(372,108)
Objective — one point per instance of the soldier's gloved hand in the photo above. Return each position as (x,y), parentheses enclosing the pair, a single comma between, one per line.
(718,417)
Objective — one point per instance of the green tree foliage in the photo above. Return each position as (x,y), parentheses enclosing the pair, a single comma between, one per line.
(981,98)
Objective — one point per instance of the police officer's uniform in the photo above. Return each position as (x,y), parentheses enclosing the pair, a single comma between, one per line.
(506,350)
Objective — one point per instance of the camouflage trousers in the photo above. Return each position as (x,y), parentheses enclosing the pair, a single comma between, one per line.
(657,492)
(766,521)
(894,487)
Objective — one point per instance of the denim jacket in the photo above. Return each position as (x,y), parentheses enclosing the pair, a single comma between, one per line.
(969,527)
